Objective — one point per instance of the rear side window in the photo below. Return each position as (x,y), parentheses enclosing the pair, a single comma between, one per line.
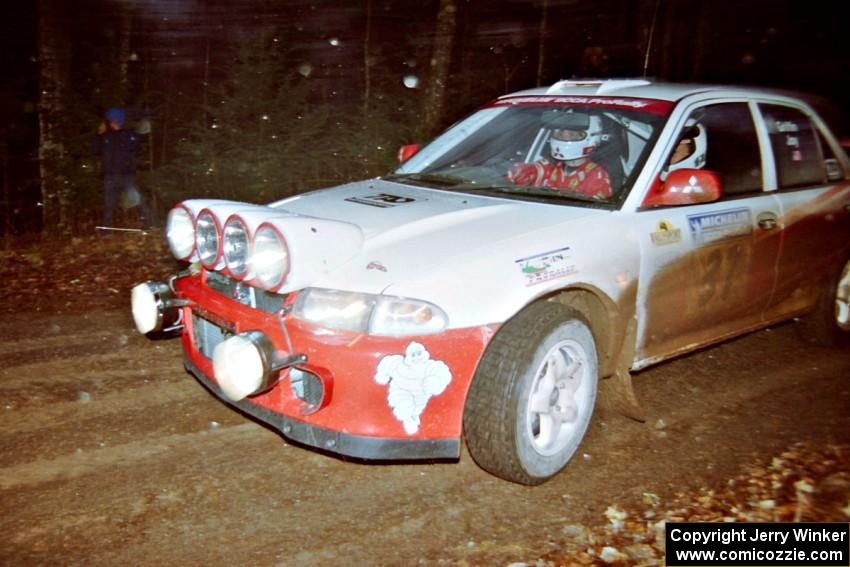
(732,146)
(796,147)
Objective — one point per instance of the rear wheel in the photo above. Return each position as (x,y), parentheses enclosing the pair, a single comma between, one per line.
(829,323)
(842,300)
(533,394)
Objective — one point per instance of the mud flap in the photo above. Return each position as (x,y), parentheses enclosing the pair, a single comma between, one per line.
(616,391)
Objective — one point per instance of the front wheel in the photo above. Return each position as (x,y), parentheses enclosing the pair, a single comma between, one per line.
(533,394)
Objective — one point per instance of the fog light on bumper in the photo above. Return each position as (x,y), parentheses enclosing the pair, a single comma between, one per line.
(154,307)
(245,364)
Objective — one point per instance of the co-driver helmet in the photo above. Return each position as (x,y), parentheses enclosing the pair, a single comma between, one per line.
(695,159)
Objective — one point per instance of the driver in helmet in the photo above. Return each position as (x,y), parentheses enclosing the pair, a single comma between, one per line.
(573,139)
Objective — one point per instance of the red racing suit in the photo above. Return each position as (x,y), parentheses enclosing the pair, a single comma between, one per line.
(589,179)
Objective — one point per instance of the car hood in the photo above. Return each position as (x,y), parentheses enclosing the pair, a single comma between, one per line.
(388,211)
(407,229)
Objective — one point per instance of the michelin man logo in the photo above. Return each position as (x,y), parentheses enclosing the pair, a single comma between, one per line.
(413,378)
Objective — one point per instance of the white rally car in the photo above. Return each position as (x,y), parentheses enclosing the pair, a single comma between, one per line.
(554,240)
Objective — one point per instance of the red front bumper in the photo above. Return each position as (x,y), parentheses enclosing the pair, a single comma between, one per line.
(412,408)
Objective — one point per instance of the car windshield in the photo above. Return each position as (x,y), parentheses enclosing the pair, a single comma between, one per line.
(543,148)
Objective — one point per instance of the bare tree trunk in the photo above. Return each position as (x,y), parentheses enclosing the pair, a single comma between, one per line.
(369,152)
(206,84)
(667,56)
(541,43)
(166,112)
(6,197)
(699,50)
(126,30)
(54,58)
(440,60)
(146,100)
(367,66)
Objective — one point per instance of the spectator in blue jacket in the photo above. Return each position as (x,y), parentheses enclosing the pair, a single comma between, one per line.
(117,148)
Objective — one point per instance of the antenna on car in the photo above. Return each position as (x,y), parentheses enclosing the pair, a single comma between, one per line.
(649,40)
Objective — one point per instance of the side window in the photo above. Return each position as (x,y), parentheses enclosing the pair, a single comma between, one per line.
(730,146)
(796,147)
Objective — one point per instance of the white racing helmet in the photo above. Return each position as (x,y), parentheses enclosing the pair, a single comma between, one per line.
(577,137)
(699,145)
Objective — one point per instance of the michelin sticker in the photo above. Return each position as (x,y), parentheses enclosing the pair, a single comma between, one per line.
(413,379)
(722,225)
(546,266)
(666,234)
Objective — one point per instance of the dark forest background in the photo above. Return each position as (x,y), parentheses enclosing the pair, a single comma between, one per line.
(255,100)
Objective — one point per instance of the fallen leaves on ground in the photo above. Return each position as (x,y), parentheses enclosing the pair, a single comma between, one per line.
(75,272)
(804,483)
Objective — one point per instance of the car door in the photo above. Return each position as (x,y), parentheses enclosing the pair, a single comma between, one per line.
(708,270)
(814,196)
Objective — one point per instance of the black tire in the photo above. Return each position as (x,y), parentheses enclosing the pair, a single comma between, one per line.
(543,357)
(829,323)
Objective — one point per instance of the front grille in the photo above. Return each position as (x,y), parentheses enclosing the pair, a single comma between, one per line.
(245,294)
(207,335)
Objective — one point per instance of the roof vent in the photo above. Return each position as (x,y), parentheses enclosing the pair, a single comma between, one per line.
(561,86)
(602,87)
(617,84)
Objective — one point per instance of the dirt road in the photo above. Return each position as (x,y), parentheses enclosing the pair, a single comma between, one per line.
(110,453)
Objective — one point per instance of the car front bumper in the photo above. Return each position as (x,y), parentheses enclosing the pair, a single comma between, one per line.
(377,405)
(358,446)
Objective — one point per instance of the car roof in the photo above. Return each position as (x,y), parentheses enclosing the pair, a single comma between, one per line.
(644,88)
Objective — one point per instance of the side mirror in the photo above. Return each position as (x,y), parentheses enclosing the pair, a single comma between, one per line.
(406,152)
(685,187)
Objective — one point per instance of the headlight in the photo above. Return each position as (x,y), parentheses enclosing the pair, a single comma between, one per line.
(235,246)
(397,317)
(335,309)
(180,232)
(366,313)
(269,257)
(207,239)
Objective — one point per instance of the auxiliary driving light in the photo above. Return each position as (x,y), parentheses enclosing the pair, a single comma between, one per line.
(246,364)
(180,232)
(269,257)
(236,246)
(154,307)
(208,239)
